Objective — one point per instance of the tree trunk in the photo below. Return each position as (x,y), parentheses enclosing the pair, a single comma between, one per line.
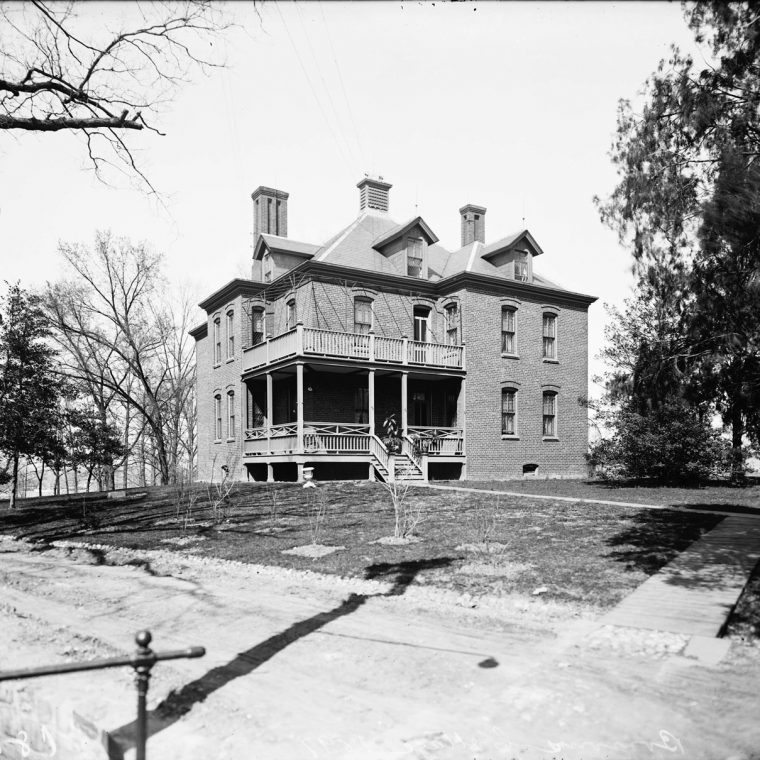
(126,446)
(143,480)
(737,454)
(38,475)
(106,472)
(164,470)
(14,480)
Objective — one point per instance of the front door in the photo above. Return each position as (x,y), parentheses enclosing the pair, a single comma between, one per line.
(421,330)
(420,409)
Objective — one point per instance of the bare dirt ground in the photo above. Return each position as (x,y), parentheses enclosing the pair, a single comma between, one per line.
(304,666)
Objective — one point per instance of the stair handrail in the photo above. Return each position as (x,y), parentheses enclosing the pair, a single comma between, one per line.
(379,451)
(408,447)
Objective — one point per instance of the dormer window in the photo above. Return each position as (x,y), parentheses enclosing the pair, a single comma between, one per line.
(521,266)
(452,325)
(266,263)
(415,257)
(290,315)
(257,326)
(362,315)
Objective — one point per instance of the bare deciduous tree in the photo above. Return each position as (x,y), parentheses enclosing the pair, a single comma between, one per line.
(121,335)
(60,69)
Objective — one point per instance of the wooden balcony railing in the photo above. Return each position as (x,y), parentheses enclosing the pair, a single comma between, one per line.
(329,437)
(306,341)
(318,437)
(350,438)
(437,441)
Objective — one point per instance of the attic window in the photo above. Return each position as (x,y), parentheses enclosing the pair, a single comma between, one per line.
(521,266)
(290,315)
(267,267)
(414,257)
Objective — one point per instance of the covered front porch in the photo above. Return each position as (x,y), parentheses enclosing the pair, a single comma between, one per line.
(315,414)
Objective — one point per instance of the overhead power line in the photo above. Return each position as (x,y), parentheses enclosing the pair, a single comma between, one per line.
(327,89)
(342,85)
(313,91)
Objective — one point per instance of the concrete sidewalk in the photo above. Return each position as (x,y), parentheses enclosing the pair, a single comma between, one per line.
(695,594)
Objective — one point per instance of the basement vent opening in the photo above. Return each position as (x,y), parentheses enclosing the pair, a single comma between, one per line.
(530,470)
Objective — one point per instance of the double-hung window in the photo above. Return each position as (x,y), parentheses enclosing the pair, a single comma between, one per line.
(550,336)
(230,414)
(452,325)
(507,330)
(217,341)
(230,334)
(290,315)
(257,326)
(550,415)
(421,323)
(414,257)
(508,411)
(267,266)
(521,266)
(361,405)
(362,315)
(218,417)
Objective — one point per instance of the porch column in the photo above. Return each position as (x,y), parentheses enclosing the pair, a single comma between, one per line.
(299,408)
(270,472)
(371,403)
(270,410)
(462,422)
(404,396)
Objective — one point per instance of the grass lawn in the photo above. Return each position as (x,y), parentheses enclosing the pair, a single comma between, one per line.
(721,496)
(476,543)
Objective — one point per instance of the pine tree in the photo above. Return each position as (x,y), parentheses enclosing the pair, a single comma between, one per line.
(30,386)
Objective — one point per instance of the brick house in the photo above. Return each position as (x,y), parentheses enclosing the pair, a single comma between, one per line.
(478,358)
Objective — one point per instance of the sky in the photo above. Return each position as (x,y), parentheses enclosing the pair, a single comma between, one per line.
(511,106)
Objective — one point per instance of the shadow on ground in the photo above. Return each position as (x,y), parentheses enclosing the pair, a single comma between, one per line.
(179,703)
(657,537)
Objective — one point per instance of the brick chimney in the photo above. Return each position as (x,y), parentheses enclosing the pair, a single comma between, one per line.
(473,224)
(270,212)
(373,193)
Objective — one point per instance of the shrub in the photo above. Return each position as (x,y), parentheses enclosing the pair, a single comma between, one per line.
(671,445)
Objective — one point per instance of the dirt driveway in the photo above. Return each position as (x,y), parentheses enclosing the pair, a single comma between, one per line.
(303,666)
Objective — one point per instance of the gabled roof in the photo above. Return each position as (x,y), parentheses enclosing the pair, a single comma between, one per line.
(511,241)
(278,244)
(470,259)
(401,229)
(356,249)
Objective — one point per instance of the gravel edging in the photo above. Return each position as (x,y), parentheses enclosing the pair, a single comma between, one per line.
(518,608)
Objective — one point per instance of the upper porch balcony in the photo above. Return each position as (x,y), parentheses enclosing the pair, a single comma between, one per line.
(370,348)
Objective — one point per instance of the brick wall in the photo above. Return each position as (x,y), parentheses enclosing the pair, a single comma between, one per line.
(327,306)
(489,455)
(219,379)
